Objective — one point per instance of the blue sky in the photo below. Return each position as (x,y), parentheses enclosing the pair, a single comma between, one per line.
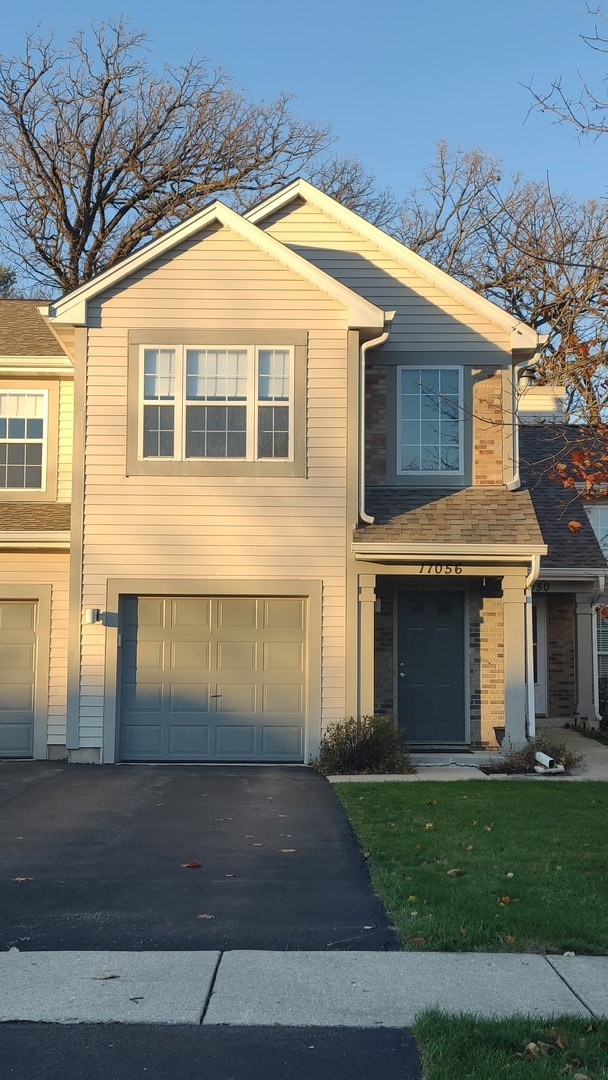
(392,77)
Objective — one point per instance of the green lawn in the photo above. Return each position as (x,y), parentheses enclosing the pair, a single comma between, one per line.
(459,1047)
(515,866)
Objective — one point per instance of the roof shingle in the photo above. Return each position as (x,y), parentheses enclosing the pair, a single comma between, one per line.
(23,331)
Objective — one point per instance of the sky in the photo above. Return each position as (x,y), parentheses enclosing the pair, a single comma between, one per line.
(392,77)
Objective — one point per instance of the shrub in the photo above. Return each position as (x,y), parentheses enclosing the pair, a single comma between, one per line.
(523,761)
(362,744)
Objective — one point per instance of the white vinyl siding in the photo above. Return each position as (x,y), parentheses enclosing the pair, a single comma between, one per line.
(66,435)
(428,318)
(262,526)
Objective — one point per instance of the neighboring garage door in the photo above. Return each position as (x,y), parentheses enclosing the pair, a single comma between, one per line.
(18,626)
(212,678)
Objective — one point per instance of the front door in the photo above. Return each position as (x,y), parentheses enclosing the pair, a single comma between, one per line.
(430,667)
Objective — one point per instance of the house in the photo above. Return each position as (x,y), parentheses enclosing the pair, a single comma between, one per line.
(295,496)
(572,578)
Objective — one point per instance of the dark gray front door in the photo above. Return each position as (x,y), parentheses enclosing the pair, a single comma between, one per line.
(430,666)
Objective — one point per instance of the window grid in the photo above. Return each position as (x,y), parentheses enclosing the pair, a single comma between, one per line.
(217,403)
(23,421)
(430,420)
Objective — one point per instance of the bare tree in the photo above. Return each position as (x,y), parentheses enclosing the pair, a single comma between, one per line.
(540,255)
(350,183)
(587,110)
(99,152)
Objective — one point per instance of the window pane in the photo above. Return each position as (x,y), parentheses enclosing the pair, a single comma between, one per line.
(159,374)
(216,431)
(158,431)
(33,477)
(216,374)
(273,375)
(273,431)
(16,429)
(432,444)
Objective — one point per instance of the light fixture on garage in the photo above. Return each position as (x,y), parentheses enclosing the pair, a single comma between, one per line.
(92,615)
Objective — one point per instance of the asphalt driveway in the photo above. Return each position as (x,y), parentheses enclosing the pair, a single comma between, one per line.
(107,857)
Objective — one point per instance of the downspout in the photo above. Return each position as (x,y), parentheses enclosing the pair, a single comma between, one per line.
(372,344)
(531,704)
(601,587)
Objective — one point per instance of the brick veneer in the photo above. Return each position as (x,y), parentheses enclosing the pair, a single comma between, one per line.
(375,424)
(561,680)
(488,420)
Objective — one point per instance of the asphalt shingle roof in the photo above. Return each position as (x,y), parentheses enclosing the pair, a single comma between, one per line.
(34,517)
(23,331)
(540,447)
(473,515)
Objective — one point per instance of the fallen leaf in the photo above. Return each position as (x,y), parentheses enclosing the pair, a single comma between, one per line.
(23,879)
(205,916)
(504,900)
(545,1048)
(104,978)
(411,899)
(456,872)
(417,940)
(429,825)
(509,939)
(432,802)
(574,526)
(194,865)
(489,828)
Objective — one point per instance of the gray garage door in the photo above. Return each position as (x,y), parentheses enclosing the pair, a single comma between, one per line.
(18,626)
(212,678)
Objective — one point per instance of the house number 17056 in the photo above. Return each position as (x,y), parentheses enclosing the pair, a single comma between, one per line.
(440,568)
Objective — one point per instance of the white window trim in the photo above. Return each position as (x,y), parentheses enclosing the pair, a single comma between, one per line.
(455,473)
(44,394)
(251,403)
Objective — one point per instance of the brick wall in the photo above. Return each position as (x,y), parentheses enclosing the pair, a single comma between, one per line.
(561,678)
(375,424)
(488,421)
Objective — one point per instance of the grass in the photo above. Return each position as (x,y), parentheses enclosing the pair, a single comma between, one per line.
(469,1048)
(517,866)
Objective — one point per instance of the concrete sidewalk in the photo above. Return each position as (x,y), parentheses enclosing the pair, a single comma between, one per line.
(298,989)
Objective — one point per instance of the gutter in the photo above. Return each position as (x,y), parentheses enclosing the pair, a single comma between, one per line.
(372,344)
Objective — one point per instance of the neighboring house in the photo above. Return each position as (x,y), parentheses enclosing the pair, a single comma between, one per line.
(295,497)
(574,572)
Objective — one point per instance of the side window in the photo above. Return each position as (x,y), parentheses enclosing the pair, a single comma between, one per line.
(23,436)
(429,421)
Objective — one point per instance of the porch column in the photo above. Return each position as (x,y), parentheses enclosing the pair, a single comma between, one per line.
(586,660)
(514,622)
(367,600)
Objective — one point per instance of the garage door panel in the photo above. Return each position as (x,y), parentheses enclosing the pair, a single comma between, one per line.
(237,656)
(284,614)
(281,741)
(285,656)
(190,655)
(189,741)
(18,656)
(189,697)
(236,613)
(235,740)
(282,699)
(142,741)
(186,611)
(214,673)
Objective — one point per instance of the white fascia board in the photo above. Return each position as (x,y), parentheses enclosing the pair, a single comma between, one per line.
(72,309)
(467,553)
(35,540)
(523,337)
(36,365)
(577,573)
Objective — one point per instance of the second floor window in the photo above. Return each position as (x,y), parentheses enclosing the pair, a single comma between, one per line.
(429,420)
(23,418)
(217,403)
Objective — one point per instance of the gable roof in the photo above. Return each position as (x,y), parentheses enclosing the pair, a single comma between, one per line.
(72,308)
(540,446)
(23,332)
(523,337)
